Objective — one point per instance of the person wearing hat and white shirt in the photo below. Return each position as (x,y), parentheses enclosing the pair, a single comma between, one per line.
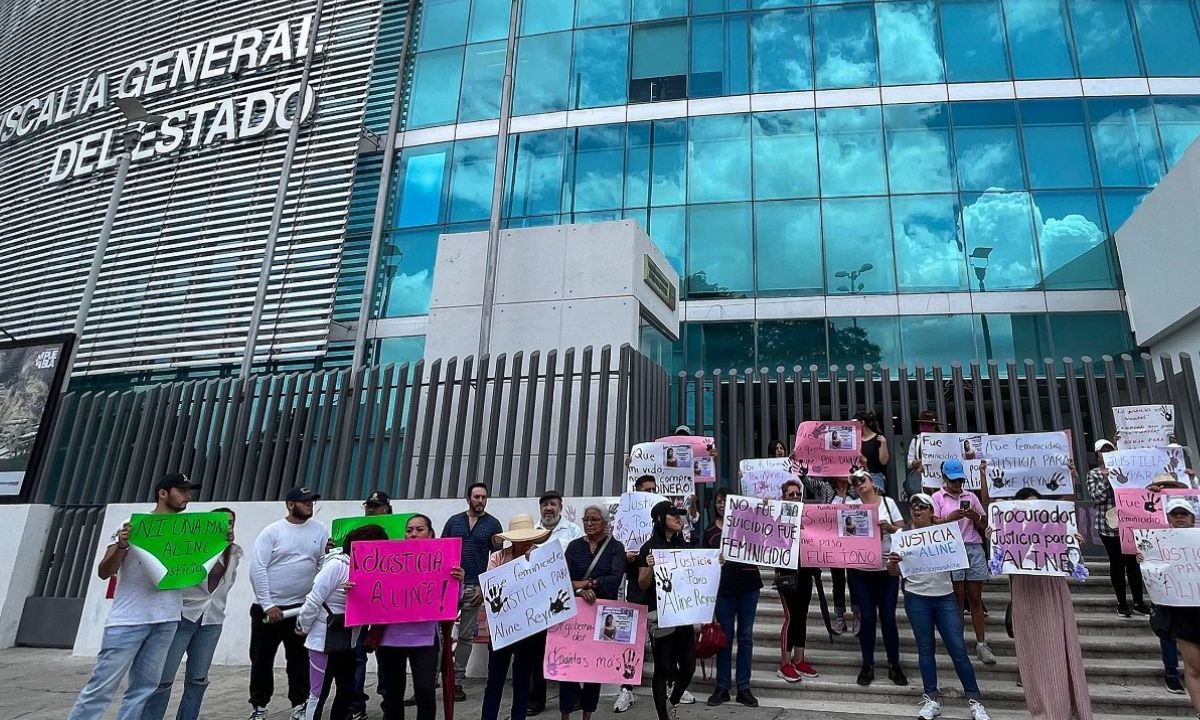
(1180,625)
(141,622)
(524,654)
(286,557)
(1122,567)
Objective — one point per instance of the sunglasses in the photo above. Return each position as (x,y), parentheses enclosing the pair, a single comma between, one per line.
(858,481)
(920,506)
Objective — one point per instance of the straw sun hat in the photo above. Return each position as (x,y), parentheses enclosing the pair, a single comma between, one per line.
(521,529)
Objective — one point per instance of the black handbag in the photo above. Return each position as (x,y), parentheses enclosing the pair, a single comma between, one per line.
(787,583)
(338,637)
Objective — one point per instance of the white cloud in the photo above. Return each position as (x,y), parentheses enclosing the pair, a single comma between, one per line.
(1001,220)
(908,46)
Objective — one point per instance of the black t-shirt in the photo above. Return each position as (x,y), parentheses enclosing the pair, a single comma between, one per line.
(656,542)
(737,578)
(870,450)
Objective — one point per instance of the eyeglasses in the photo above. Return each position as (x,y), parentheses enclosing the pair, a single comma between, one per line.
(920,506)
(858,481)
(792,494)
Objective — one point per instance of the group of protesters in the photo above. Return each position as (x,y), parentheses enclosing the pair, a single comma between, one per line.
(300,580)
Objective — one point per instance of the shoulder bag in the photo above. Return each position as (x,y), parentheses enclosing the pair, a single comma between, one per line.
(338,637)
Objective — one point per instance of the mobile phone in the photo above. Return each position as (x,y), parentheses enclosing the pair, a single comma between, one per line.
(965,505)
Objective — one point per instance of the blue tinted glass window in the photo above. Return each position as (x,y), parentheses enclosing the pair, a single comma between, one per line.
(858,246)
(1013,338)
(1039,38)
(601,12)
(1056,144)
(1072,240)
(987,150)
(722,345)
(844,47)
(785,155)
(668,229)
(489,20)
(443,23)
(601,65)
(483,72)
(655,9)
(719,158)
(1178,124)
(1126,143)
(720,57)
(918,148)
(407,272)
(857,341)
(929,244)
(1168,33)
(599,167)
(1091,334)
(999,234)
(543,67)
(789,343)
(910,51)
(436,76)
(1120,204)
(399,350)
(1104,38)
(929,339)
(637,165)
(851,151)
(471,179)
(420,186)
(542,16)
(720,250)
(974,37)
(788,248)
(782,51)
(655,172)
(707,7)
(536,173)
(763,4)
(659,50)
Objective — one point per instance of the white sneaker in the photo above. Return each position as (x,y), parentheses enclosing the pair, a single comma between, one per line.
(687,698)
(930,709)
(298,712)
(977,711)
(260,713)
(986,656)
(624,701)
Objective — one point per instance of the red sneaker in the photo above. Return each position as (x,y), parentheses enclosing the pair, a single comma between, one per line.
(805,670)
(788,672)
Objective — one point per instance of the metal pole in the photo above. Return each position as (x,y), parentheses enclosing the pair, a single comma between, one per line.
(381,197)
(264,273)
(493,249)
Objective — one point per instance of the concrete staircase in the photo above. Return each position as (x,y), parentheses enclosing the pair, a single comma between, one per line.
(1124,668)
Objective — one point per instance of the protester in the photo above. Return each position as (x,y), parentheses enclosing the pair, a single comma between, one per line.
(737,604)
(877,590)
(141,622)
(283,565)
(840,494)
(795,589)
(674,648)
(477,529)
(196,634)
(1179,624)
(954,504)
(927,422)
(874,448)
(562,531)
(522,655)
(1121,566)
(778,450)
(596,562)
(377,503)
(633,591)
(930,602)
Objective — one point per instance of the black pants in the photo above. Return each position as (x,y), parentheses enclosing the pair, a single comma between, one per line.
(424,662)
(521,656)
(340,671)
(1122,566)
(839,591)
(264,644)
(674,658)
(537,686)
(794,633)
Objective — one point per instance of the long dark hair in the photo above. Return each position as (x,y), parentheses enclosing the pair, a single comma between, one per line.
(869,419)
(366,532)
(777,443)
(428,523)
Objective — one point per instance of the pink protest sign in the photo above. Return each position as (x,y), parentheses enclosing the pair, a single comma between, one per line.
(703,466)
(840,536)
(828,448)
(603,643)
(1140,509)
(397,581)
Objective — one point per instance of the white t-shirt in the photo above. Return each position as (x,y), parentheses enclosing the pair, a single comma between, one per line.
(935,584)
(889,511)
(285,560)
(138,601)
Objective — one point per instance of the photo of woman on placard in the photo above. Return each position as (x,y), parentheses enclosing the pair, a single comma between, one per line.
(610,627)
(671,457)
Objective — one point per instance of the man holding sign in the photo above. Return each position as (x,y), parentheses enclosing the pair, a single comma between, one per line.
(141,622)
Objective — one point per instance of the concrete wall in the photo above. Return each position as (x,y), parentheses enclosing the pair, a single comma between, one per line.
(23,532)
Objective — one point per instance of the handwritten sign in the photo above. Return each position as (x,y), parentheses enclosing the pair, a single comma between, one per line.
(527,595)
(840,536)
(828,448)
(1144,426)
(764,477)
(937,448)
(393,525)
(761,532)
(1139,509)
(1035,537)
(1034,460)
(685,585)
(632,524)
(671,467)
(702,464)
(179,549)
(1171,567)
(604,643)
(398,581)
(936,548)
(1137,468)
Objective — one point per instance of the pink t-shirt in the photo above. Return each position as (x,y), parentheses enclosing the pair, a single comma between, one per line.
(944,504)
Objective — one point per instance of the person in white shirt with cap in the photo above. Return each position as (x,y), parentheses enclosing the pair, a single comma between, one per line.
(1178,624)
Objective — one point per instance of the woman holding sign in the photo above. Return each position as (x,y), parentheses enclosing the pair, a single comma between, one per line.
(737,603)
(1180,624)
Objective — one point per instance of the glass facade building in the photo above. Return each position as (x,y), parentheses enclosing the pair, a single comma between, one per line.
(835,182)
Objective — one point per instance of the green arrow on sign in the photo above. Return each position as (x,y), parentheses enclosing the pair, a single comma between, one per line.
(180,548)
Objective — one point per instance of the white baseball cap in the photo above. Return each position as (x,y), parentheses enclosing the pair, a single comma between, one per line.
(1177,503)
(1102,445)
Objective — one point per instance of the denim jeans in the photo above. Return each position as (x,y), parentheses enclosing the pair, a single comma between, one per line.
(925,614)
(140,651)
(1170,657)
(877,593)
(199,642)
(739,609)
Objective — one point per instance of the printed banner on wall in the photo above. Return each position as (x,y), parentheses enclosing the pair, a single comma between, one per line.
(840,536)
(828,448)
(1144,426)
(761,532)
(937,548)
(1137,468)
(937,448)
(1036,537)
(685,586)
(1034,460)
(398,581)
(701,460)
(632,524)
(179,549)
(30,378)
(1139,509)
(604,643)
(528,595)
(764,477)
(1171,565)
(393,525)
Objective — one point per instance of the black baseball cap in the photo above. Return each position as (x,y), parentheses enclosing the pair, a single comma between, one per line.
(175,480)
(550,495)
(378,497)
(665,508)
(301,494)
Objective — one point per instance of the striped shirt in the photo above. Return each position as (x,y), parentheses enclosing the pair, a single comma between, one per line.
(476,542)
